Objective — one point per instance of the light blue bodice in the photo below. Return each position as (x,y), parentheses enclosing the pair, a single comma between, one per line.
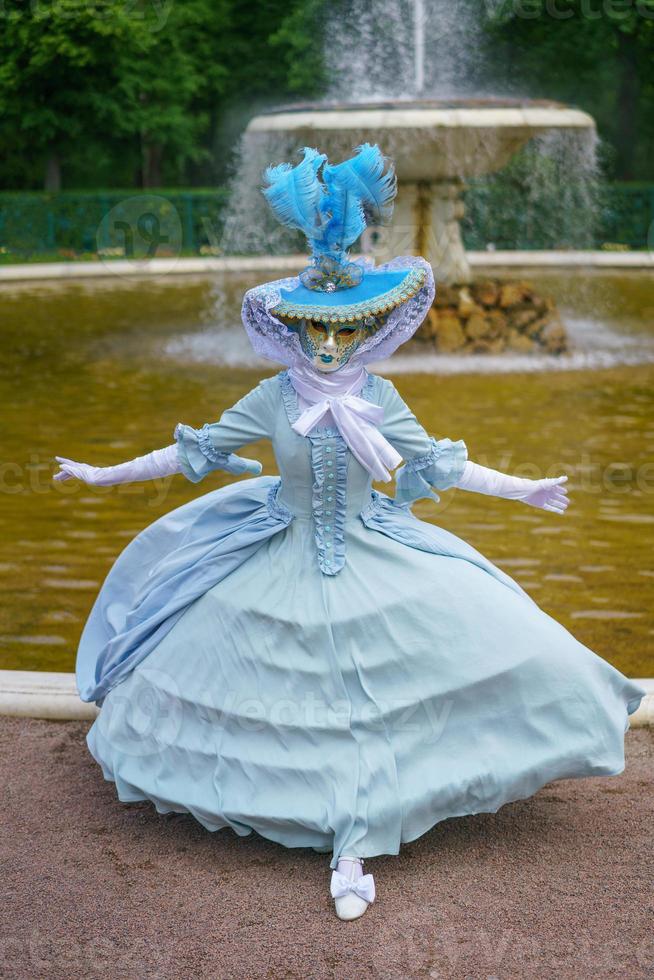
(320,480)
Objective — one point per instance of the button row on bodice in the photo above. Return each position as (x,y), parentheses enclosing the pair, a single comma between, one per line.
(329,463)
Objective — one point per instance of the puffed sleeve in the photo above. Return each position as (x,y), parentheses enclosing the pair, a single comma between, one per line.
(200,451)
(429,464)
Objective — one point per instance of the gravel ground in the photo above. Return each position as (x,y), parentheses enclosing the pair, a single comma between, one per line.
(559,885)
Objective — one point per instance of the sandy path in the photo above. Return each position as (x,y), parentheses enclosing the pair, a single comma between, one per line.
(559,885)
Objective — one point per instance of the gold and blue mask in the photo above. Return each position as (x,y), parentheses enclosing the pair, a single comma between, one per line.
(329,346)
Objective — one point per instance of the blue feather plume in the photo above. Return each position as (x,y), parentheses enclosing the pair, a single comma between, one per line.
(332,213)
(343,219)
(364,175)
(294,193)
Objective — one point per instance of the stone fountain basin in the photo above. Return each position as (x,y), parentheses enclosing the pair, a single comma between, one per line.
(428,140)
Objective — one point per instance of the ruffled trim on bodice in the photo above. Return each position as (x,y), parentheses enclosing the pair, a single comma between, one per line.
(329,462)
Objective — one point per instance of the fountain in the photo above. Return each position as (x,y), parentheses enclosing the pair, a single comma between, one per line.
(438,138)
(435,145)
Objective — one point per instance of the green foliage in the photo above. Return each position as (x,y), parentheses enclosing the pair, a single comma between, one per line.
(141,87)
(299,44)
(598,54)
(68,225)
(107,72)
(40,226)
(144,92)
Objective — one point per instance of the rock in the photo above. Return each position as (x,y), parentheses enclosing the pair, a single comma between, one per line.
(487,346)
(478,326)
(446,296)
(429,328)
(450,335)
(497,323)
(486,293)
(554,338)
(513,293)
(496,345)
(535,327)
(522,318)
(518,342)
(466,306)
(490,316)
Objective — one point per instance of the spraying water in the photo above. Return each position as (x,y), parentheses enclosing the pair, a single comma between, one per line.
(406,49)
(403,54)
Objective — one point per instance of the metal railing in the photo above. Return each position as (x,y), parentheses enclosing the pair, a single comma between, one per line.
(72,225)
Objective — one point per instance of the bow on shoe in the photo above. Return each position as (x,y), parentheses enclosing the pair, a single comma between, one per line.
(364,887)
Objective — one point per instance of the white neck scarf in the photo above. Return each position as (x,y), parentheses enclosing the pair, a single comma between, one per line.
(356,419)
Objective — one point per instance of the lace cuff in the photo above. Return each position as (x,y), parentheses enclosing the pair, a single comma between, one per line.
(198,456)
(440,468)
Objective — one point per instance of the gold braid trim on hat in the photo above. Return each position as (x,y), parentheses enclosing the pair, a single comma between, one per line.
(347,312)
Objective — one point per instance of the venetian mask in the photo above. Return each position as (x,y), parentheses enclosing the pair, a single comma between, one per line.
(331,345)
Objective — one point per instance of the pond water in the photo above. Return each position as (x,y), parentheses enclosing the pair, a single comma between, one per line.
(101,371)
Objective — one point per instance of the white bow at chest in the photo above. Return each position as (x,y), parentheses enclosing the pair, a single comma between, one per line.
(356,419)
(364,887)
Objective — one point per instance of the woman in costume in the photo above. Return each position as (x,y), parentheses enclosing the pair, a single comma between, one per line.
(299,655)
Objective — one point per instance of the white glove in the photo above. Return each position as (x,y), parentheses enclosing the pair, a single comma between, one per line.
(161,462)
(549,494)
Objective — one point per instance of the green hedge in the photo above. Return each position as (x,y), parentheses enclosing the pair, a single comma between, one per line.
(72,224)
(621,215)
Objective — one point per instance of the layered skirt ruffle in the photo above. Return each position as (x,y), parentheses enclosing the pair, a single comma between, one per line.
(348,713)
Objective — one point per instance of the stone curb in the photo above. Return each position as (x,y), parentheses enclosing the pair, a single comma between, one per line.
(561,260)
(149,268)
(42,694)
(50,695)
(293,263)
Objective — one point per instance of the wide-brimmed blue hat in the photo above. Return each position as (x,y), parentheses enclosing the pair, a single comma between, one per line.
(332,204)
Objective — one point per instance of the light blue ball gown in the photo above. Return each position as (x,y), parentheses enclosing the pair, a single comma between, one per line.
(300,656)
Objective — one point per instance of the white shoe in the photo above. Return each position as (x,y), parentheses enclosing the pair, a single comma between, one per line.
(351,890)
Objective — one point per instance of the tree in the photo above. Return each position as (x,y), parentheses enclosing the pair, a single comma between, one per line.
(271,51)
(597,53)
(73,72)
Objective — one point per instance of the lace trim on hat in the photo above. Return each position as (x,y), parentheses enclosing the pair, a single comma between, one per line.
(278,342)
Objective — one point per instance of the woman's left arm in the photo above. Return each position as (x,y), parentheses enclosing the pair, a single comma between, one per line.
(429,464)
(548,493)
(438,464)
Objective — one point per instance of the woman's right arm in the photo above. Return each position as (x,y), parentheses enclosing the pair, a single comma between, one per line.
(212,447)
(195,452)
